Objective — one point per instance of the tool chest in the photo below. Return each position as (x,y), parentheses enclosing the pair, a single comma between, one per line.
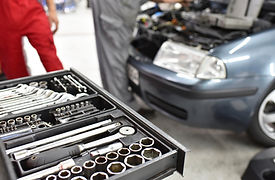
(63,126)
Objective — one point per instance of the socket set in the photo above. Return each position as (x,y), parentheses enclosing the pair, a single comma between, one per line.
(87,135)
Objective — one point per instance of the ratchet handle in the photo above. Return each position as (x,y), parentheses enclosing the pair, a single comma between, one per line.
(52,156)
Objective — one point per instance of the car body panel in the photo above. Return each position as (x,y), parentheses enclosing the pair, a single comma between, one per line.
(219,103)
(250,56)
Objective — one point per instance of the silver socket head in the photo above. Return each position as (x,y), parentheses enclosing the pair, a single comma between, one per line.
(3,124)
(135,147)
(133,160)
(146,142)
(27,118)
(116,168)
(34,117)
(112,156)
(19,120)
(151,153)
(89,164)
(101,160)
(123,152)
(51,177)
(99,176)
(11,122)
(64,174)
(76,170)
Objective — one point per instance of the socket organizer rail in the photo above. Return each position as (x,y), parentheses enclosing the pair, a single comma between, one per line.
(91,135)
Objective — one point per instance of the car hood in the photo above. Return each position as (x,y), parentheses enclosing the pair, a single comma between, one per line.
(250,56)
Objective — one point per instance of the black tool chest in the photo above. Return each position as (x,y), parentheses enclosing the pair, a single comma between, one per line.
(62,126)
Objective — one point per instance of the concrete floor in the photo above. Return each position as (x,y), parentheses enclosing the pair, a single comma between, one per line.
(215,154)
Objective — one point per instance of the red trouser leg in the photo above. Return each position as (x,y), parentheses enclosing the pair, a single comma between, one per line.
(11,55)
(37,29)
(25,18)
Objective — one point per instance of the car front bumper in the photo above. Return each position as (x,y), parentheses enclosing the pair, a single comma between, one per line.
(221,103)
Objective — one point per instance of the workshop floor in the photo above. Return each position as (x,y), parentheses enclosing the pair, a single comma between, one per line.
(214,155)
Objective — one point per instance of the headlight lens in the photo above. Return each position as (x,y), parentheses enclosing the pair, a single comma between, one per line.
(189,61)
(211,68)
(133,74)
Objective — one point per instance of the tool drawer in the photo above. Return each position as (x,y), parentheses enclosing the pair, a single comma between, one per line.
(63,126)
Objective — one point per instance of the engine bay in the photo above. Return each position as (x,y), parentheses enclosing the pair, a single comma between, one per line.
(203,24)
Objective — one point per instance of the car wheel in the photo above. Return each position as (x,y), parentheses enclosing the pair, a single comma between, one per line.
(262,128)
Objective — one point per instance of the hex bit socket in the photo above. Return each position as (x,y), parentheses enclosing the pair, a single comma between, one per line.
(99,176)
(116,168)
(123,152)
(101,163)
(89,168)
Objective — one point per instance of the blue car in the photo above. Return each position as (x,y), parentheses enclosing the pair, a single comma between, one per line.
(207,75)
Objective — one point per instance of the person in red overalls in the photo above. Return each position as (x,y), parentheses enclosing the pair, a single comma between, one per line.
(20,18)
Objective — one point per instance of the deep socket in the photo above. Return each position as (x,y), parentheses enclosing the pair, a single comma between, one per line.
(146,142)
(27,118)
(150,153)
(89,168)
(51,177)
(63,109)
(112,156)
(3,124)
(99,176)
(76,171)
(133,160)
(101,162)
(135,147)
(34,117)
(123,152)
(64,175)
(116,168)
(19,120)
(11,122)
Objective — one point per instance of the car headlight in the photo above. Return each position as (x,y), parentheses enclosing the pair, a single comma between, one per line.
(133,74)
(189,61)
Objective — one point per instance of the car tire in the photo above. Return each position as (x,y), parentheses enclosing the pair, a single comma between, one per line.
(262,127)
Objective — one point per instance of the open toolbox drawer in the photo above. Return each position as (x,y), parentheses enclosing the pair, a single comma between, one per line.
(63,126)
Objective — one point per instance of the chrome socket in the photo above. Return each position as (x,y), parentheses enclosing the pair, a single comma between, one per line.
(89,168)
(79,178)
(19,120)
(51,177)
(151,153)
(76,170)
(135,147)
(11,122)
(133,160)
(34,117)
(99,176)
(116,168)
(64,175)
(101,162)
(43,83)
(27,118)
(146,142)
(123,152)
(34,84)
(112,156)
(3,124)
